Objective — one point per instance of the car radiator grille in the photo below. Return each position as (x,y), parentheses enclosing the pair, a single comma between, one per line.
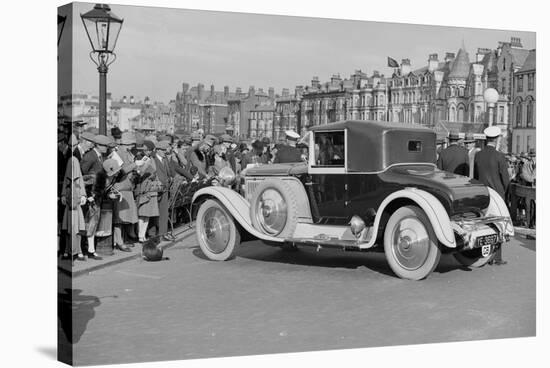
(251,186)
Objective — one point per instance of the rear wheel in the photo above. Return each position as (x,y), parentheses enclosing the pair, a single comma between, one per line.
(411,246)
(217,232)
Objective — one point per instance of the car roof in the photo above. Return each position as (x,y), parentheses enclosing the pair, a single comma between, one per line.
(375,145)
(371,127)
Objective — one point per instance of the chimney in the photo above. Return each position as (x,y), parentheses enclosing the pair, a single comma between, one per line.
(516,42)
(185,88)
(433,62)
(298,91)
(226,92)
(212,90)
(124,100)
(238,91)
(146,100)
(285,92)
(449,56)
(271,92)
(335,79)
(132,100)
(405,66)
(251,91)
(200,91)
(315,82)
(480,54)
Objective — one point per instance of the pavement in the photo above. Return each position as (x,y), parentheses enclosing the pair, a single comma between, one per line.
(80,268)
(269,300)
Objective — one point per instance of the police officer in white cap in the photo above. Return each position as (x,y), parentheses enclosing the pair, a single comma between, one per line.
(289,152)
(491,168)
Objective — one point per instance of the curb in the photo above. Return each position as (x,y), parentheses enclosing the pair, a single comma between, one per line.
(179,237)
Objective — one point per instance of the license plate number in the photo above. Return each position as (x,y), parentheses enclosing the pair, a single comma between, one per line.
(487,240)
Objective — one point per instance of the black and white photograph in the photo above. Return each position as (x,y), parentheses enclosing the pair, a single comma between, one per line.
(234,184)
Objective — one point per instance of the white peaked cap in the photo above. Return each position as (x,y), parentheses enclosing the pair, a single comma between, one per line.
(492,132)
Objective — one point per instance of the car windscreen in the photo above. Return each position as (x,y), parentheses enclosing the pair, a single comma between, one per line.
(330,149)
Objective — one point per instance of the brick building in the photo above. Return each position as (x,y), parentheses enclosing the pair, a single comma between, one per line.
(524,106)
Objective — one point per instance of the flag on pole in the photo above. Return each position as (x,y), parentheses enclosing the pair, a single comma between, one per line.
(392,63)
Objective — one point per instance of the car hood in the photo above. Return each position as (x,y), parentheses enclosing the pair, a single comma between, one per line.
(458,194)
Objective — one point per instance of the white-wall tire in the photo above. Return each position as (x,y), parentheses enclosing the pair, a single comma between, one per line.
(217,232)
(410,244)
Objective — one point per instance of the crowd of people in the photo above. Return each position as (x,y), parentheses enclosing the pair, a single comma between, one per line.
(496,170)
(121,182)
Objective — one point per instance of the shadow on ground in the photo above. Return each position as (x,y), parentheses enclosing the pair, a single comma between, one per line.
(329,258)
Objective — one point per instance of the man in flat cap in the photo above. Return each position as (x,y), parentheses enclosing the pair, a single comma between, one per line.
(491,168)
(455,157)
(164,174)
(289,152)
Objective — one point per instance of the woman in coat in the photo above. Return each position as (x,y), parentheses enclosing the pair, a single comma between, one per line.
(125,211)
(73,196)
(147,188)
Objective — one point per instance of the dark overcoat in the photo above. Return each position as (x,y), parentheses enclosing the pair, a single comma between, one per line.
(454,159)
(288,154)
(491,168)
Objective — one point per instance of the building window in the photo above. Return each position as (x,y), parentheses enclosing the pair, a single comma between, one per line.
(529,114)
(531,82)
(520,83)
(501,114)
(519,112)
(528,143)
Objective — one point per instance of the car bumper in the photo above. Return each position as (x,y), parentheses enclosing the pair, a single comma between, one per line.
(474,233)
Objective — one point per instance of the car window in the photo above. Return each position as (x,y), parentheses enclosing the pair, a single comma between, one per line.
(329,149)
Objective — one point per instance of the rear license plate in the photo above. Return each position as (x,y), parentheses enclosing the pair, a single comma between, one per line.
(487,240)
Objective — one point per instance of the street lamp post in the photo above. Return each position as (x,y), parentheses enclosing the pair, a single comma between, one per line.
(491,97)
(102,28)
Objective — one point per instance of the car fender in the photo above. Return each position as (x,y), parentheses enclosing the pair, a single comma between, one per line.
(430,205)
(497,207)
(236,205)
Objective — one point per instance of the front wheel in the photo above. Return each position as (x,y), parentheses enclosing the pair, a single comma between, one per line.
(217,232)
(475,258)
(410,244)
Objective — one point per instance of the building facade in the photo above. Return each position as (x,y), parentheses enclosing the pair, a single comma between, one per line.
(287,114)
(261,121)
(239,108)
(524,106)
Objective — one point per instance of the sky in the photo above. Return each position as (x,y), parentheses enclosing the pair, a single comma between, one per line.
(160,48)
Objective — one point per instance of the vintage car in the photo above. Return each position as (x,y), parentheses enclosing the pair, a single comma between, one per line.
(367,186)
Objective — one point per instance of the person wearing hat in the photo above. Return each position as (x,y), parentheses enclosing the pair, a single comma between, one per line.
(229,151)
(491,168)
(182,152)
(470,144)
(146,190)
(86,143)
(165,173)
(95,181)
(454,158)
(73,197)
(120,190)
(198,157)
(254,156)
(116,133)
(289,152)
